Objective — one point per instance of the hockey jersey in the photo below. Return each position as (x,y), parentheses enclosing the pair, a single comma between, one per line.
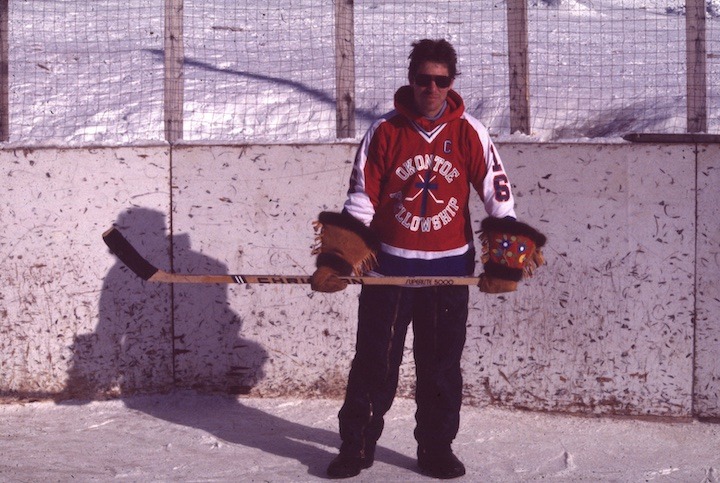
(411,184)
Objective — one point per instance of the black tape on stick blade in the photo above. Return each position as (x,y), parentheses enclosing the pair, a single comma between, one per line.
(117,244)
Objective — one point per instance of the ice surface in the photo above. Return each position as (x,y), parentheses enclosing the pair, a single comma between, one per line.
(185,436)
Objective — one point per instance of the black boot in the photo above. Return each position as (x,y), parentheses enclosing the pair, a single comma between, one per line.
(347,465)
(439,463)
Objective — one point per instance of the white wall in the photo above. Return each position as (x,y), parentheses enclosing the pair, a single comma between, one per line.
(607,327)
(66,318)
(707,333)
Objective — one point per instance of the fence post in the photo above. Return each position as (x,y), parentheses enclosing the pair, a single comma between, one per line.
(696,66)
(517,25)
(344,69)
(4,71)
(173,83)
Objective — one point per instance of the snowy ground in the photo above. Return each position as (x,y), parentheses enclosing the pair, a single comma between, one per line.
(191,437)
(92,72)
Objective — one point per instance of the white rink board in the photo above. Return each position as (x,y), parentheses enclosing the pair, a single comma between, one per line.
(71,315)
(707,336)
(605,328)
(250,210)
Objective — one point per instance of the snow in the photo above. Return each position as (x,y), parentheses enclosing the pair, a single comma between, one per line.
(91,72)
(186,436)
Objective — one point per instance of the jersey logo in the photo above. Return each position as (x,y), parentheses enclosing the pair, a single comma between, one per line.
(419,206)
(425,187)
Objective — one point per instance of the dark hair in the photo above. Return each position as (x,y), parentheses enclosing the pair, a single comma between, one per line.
(426,50)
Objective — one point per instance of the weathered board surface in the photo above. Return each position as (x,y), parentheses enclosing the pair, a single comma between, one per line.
(607,326)
(622,320)
(250,210)
(73,321)
(707,334)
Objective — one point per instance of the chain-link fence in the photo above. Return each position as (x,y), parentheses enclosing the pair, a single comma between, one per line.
(87,72)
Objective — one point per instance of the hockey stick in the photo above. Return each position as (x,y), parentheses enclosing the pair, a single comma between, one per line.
(127,254)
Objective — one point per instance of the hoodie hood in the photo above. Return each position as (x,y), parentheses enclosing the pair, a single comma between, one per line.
(405,105)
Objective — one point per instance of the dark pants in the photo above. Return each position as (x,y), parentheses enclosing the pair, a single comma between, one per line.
(439,316)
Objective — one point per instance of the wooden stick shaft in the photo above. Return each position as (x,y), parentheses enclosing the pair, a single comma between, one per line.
(165,277)
(147,271)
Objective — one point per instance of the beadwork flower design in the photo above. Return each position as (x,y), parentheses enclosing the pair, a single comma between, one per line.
(510,250)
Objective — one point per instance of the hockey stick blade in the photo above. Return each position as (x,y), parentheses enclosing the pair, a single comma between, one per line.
(127,254)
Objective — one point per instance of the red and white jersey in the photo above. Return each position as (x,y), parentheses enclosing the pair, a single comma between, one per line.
(411,179)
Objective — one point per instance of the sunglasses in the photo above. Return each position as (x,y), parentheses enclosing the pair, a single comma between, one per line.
(424,80)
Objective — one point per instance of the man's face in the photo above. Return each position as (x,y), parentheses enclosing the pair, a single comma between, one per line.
(429,97)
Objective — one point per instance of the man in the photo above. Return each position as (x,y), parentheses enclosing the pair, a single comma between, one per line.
(407,213)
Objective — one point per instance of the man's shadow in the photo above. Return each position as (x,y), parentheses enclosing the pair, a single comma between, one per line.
(154,337)
(226,418)
(209,354)
(131,348)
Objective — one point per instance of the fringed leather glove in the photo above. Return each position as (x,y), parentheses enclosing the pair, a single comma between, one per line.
(344,246)
(511,252)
